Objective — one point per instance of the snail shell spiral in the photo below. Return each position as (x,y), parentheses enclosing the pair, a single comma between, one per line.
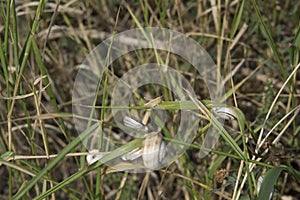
(154,150)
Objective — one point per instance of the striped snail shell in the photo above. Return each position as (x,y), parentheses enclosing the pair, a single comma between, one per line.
(154,150)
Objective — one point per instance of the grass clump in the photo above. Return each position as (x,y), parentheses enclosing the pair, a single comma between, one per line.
(255,46)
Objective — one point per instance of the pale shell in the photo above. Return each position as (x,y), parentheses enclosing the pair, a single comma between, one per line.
(225,113)
(94,155)
(134,124)
(154,150)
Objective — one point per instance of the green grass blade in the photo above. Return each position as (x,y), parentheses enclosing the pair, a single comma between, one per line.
(114,154)
(5,74)
(15,37)
(55,161)
(270,39)
(43,70)
(214,121)
(226,136)
(7,22)
(295,48)
(28,45)
(3,59)
(270,179)
(237,19)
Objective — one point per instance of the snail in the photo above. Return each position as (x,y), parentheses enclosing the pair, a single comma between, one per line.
(152,151)
(94,155)
(227,113)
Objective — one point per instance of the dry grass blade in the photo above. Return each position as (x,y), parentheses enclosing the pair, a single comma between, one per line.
(260,138)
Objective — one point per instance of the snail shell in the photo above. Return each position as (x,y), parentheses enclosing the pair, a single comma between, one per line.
(225,113)
(154,150)
(134,124)
(94,156)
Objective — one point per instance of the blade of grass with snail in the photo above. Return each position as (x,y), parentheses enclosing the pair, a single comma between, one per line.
(195,104)
(218,125)
(114,154)
(54,162)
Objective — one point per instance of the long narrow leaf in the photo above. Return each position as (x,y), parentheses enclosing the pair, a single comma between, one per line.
(270,39)
(46,81)
(269,180)
(54,162)
(114,154)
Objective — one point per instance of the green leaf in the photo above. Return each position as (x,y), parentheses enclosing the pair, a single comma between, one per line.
(267,185)
(294,55)
(294,49)
(237,19)
(6,155)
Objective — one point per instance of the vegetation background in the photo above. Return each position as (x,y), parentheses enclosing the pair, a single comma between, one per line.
(255,45)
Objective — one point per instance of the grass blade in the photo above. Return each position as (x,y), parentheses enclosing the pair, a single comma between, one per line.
(270,39)
(55,161)
(46,81)
(114,154)
(295,48)
(270,179)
